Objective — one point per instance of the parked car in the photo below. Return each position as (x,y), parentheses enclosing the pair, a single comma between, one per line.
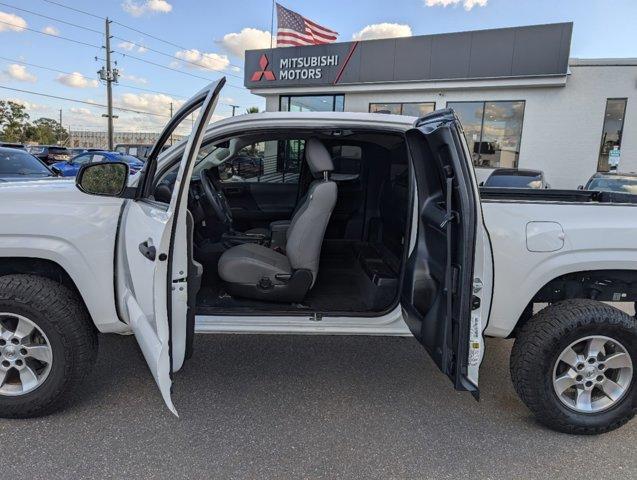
(612,182)
(139,150)
(433,258)
(50,154)
(516,178)
(17,146)
(18,165)
(72,166)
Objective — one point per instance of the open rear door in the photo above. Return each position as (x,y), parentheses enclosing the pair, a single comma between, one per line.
(446,285)
(153,264)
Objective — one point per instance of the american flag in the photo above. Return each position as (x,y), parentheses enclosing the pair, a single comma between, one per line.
(296,30)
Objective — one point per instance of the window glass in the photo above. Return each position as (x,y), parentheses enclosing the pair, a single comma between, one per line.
(312,103)
(418,109)
(413,109)
(82,159)
(97,158)
(493,131)
(609,153)
(393,108)
(272,161)
(16,162)
(501,134)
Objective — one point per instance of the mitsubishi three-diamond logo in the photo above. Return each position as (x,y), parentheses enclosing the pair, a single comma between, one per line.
(263,73)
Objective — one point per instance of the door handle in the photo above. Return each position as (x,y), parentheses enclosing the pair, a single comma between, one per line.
(233,191)
(148,250)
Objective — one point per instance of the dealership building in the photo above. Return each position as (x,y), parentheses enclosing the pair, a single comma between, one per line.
(523,101)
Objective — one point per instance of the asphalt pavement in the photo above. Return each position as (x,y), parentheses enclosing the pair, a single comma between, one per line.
(302,407)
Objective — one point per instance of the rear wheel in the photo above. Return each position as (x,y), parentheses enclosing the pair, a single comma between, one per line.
(573,365)
(47,345)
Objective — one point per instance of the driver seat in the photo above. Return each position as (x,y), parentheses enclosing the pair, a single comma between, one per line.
(258,272)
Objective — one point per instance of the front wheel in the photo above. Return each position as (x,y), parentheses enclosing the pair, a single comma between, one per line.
(573,365)
(48,344)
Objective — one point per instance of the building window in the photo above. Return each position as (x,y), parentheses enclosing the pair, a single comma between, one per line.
(413,109)
(312,103)
(609,152)
(493,131)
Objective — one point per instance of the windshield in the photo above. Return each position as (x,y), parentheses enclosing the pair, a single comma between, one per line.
(514,181)
(617,184)
(16,162)
(58,150)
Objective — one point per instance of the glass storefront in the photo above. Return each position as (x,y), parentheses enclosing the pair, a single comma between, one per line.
(312,103)
(493,131)
(413,109)
(610,149)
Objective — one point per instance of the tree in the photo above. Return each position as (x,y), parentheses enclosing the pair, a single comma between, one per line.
(46,131)
(14,121)
(252,110)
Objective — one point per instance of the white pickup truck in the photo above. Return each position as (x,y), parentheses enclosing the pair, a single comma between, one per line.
(319,223)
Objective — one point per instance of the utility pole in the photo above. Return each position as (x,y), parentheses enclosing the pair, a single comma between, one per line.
(59,135)
(234,107)
(171,116)
(109,75)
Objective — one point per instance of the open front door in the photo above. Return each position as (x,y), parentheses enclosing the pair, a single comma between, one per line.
(446,287)
(153,267)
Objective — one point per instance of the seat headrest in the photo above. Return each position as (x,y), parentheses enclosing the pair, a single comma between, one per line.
(317,156)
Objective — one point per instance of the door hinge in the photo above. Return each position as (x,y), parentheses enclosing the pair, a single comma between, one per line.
(455,278)
(316,317)
(475,302)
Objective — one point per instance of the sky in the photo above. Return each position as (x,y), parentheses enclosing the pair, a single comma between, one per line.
(204,40)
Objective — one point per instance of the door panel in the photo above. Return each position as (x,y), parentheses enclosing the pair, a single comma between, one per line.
(153,264)
(437,296)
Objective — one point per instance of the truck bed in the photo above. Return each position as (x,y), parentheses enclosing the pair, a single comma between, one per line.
(549,195)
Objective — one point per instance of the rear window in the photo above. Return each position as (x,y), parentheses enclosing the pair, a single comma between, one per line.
(514,181)
(620,185)
(60,150)
(17,162)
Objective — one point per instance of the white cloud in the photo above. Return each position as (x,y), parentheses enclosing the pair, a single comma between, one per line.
(137,9)
(203,60)
(133,78)
(20,72)
(383,30)
(246,39)
(17,24)
(50,30)
(77,80)
(130,46)
(467,4)
(157,103)
(30,106)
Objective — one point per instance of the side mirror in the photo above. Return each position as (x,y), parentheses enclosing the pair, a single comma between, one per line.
(108,179)
(580,187)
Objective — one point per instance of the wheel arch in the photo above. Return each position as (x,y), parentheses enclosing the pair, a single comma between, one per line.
(611,285)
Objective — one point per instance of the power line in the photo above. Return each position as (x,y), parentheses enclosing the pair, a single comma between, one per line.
(73,9)
(174,57)
(159,39)
(75,100)
(20,27)
(174,69)
(51,18)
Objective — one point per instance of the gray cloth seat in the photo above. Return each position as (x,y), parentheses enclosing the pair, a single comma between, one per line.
(256,271)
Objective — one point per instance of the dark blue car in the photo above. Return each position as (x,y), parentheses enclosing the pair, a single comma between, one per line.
(72,166)
(18,165)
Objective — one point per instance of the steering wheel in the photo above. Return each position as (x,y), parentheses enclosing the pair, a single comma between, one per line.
(215,201)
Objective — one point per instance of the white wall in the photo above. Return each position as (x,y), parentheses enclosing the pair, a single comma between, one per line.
(562,125)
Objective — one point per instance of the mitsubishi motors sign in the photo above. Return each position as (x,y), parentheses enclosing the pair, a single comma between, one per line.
(537,50)
(314,65)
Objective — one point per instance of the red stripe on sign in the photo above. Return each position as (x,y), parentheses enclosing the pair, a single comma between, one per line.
(347,59)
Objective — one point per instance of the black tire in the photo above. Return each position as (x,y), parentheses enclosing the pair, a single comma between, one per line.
(538,346)
(63,318)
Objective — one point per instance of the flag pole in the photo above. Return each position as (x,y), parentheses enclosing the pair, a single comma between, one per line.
(272,22)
